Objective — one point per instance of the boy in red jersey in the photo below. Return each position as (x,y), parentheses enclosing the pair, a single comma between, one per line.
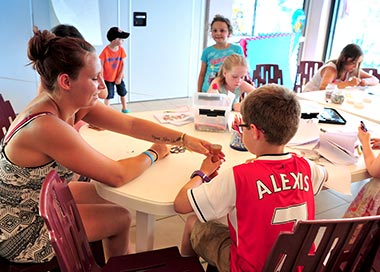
(261,198)
(112,60)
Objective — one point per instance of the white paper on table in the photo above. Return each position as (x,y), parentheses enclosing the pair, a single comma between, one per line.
(339,178)
(178,117)
(334,154)
(338,148)
(308,131)
(345,140)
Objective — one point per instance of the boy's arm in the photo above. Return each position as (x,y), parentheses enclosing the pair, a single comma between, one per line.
(120,75)
(181,202)
(208,167)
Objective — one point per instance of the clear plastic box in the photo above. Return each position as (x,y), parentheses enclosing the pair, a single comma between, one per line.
(211,111)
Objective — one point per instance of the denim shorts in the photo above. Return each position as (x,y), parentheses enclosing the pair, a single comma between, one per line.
(120,88)
(212,242)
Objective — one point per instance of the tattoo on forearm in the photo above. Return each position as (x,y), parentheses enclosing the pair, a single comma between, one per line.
(165,139)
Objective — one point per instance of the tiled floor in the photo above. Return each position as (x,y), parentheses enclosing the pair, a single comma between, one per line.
(168,230)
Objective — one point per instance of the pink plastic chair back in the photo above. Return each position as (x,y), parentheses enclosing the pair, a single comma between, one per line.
(65,226)
(305,71)
(267,73)
(71,246)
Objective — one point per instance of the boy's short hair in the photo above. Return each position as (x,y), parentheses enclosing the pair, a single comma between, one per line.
(275,110)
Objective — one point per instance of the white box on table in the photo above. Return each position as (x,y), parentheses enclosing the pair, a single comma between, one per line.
(211,111)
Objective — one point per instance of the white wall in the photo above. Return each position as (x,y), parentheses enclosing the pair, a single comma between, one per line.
(316,32)
(163,58)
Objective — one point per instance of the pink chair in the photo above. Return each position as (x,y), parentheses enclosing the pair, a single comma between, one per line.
(71,246)
(267,73)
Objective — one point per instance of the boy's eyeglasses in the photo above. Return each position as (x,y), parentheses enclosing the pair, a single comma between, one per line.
(240,126)
(247,126)
(243,125)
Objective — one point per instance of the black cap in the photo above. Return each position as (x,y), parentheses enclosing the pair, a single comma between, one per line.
(115,32)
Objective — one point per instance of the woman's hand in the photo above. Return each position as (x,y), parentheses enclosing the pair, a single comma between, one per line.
(162,150)
(197,145)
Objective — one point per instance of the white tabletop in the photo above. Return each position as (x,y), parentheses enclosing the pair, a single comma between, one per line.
(362,102)
(154,191)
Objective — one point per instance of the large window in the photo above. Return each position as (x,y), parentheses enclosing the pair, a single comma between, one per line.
(277,27)
(357,22)
(256,17)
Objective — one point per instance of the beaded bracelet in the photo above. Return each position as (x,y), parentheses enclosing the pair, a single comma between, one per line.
(150,156)
(154,152)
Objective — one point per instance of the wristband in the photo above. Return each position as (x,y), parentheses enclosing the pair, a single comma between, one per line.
(150,156)
(199,173)
(154,152)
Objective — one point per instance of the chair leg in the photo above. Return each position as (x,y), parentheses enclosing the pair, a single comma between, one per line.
(211,268)
(97,251)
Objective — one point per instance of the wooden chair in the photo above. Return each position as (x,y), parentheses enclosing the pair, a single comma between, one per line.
(372,71)
(305,71)
(267,73)
(71,246)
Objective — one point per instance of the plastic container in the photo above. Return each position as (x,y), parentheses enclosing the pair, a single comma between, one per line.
(337,97)
(211,111)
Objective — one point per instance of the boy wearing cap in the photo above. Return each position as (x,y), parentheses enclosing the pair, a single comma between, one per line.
(112,60)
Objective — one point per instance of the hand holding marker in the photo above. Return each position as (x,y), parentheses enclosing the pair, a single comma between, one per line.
(363,127)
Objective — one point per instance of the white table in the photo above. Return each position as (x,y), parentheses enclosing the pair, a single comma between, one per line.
(154,191)
(358,101)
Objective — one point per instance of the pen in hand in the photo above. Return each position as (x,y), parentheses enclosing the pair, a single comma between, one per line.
(363,127)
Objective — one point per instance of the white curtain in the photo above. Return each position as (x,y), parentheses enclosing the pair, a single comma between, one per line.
(84,15)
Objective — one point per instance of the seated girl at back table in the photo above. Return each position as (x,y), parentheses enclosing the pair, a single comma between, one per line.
(344,72)
(231,79)
(42,138)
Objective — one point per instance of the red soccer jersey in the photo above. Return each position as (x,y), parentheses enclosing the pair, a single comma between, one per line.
(270,197)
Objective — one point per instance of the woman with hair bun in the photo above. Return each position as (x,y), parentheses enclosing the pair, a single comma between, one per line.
(42,138)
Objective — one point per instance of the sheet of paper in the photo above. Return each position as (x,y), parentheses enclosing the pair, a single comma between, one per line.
(345,140)
(338,147)
(334,154)
(339,178)
(178,117)
(308,131)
